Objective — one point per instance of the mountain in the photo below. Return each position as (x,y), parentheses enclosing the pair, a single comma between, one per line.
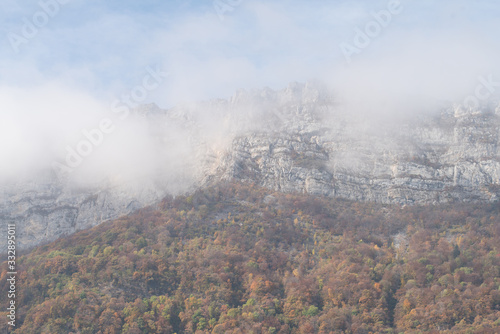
(449,156)
(238,258)
(297,140)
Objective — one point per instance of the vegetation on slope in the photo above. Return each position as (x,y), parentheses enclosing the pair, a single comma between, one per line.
(240,259)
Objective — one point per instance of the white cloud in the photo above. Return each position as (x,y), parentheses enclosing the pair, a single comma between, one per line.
(38,122)
(92,52)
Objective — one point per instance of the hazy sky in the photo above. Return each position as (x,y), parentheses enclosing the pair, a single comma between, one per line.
(103,47)
(66,61)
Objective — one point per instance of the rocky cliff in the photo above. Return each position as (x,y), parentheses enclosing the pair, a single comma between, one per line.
(295,140)
(46,208)
(450,155)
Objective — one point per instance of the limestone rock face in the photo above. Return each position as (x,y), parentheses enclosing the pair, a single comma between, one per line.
(294,140)
(447,156)
(46,208)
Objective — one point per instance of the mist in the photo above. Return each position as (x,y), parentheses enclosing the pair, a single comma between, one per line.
(91,63)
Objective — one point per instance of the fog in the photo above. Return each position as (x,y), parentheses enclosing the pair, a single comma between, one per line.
(91,57)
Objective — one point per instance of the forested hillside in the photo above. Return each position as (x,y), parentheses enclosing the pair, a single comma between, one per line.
(241,259)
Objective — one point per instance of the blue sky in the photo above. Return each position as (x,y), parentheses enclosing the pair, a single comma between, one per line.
(103,47)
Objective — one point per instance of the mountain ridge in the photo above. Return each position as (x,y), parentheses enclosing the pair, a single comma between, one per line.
(299,139)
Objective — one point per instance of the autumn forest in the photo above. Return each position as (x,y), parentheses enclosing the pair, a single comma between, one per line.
(236,258)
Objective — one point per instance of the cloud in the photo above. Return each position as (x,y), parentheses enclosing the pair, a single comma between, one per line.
(105,47)
(92,52)
(37,121)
